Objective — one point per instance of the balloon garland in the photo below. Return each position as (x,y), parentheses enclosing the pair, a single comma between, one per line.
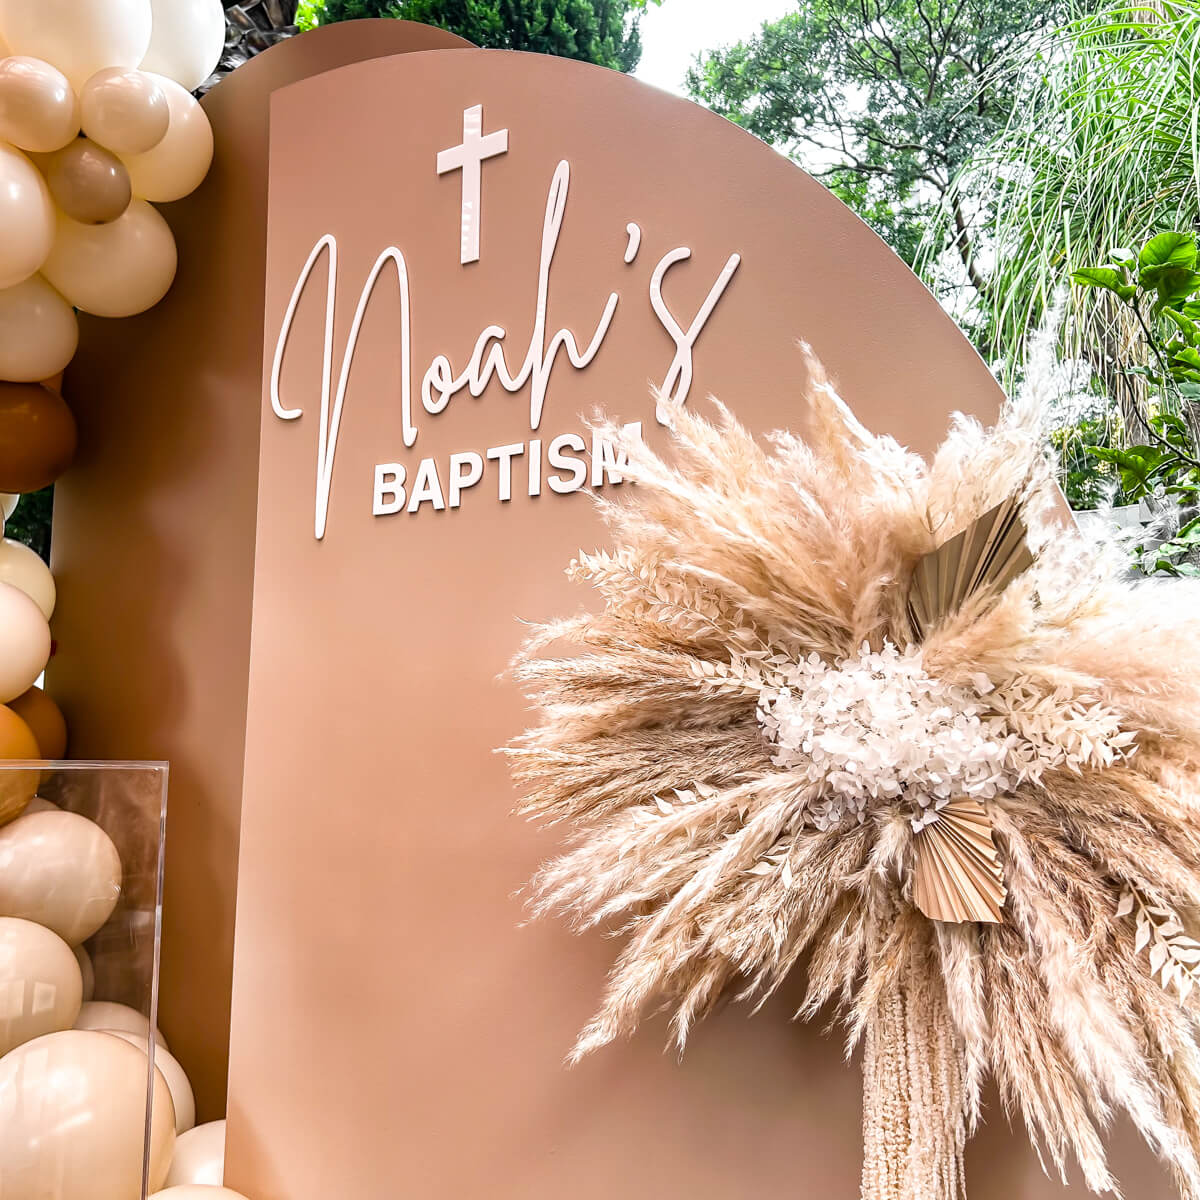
(97,124)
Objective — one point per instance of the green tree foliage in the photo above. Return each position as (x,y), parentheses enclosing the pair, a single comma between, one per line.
(30,521)
(884,101)
(598,31)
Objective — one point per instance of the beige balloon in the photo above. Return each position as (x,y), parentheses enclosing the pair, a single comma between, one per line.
(178,164)
(26,217)
(181,1089)
(73,1119)
(82,957)
(41,987)
(38,108)
(78,36)
(113,270)
(123,110)
(112,1017)
(23,568)
(8,503)
(199,1156)
(38,331)
(90,184)
(24,642)
(60,870)
(198,1192)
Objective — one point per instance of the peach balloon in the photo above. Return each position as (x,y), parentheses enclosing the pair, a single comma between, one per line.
(26,217)
(197,1192)
(17,741)
(178,164)
(86,970)
(38,331)
(186,41)
(60,870)
(24,642)
(37,437)
(45,718)
(177,1081)
(113,270)
(73,1119)
(124,111)
(24,569)
(199,1156)
(38,109)
(111,1017)
(78,36)
(90,184)
(41,986)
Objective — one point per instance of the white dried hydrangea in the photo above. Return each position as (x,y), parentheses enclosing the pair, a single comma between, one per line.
(878,729)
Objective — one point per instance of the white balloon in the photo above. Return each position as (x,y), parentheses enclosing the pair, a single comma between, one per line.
(24,569)
(197,1192)
(173,1073)
(199,1156)
(40,984)
(26,217)
(78,36)
(24,642)
(110,1017)
(82,957)
(178,164)
(38,332)
(186,41)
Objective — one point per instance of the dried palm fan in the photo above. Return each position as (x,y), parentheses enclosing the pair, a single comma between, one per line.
(897,718)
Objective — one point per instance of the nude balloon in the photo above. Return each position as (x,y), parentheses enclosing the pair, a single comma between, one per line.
(90,184)
(178,164)
(73,1119)
(78,36)
(38,108)
(197,1192)
(114,270)
(24,642)
(60,870)
(38,331)
(186,40)
(199,1156)
(123,110)
(86,970)
(24,569)
(45,718)
(116,1018)
(177,1081)
(37,437)
(41,986)
(26,217)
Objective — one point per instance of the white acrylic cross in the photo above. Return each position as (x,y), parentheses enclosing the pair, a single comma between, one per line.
(467,157)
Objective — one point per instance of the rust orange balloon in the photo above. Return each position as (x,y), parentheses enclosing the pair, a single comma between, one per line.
(16,787)
(37,437)
(45,719)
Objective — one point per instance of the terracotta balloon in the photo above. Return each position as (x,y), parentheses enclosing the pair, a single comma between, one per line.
(177,1081)
(78,36)
(26,217)
(17,787)
(60,870)
(73,1119)
(124,111)
(24,569)
(41,987)
(38,331)
(178,164)
(24,642)
(116,1018)
(113,270)
(187,40)
(45,718)
(38,109)
(86,970)
(198,1192)
(37,437)
(90,184)
(199,1156)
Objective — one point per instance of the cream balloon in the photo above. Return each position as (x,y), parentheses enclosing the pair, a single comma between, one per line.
(60,870)
(38,108)
(113,270)
(41,986)
(111,1017)
(186,41)
(23,568)
(181,1090)
(38,331)
(8,503)
(82,957)
(178,164)
(26,217)
(124,111)
(199,1156)
(200,1191)
(24,642)
(73,1119)
(78,36)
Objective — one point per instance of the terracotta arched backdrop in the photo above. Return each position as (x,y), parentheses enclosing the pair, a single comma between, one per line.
(396,1029)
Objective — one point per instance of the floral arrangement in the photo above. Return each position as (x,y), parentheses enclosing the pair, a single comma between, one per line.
(896,725)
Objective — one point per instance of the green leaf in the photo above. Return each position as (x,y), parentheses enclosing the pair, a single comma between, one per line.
(1176,250)
(1183,323)
(1112,279)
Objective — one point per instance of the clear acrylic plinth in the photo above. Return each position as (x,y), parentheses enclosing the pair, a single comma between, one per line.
(128,801)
